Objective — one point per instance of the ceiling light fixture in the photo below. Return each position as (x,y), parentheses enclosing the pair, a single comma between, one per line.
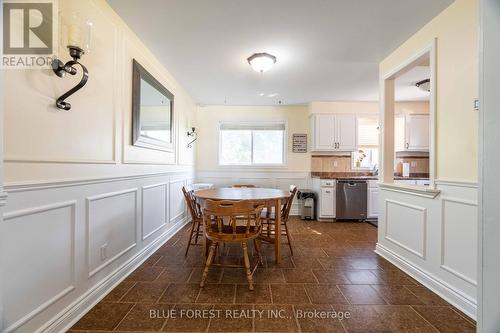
(261,62)
(424,85)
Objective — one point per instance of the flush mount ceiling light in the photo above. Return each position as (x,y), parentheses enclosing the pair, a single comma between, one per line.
(261,62)
(424,85)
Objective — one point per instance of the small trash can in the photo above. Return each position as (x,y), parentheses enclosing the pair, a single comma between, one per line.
(307,203)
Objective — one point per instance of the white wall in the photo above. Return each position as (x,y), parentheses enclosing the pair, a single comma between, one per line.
(93,139)
(76,183)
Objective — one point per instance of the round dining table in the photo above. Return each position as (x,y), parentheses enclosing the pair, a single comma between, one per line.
(269,197)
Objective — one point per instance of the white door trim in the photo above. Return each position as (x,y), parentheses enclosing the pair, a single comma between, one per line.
(489,178)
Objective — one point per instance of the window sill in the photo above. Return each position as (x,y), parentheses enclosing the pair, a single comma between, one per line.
(421,191)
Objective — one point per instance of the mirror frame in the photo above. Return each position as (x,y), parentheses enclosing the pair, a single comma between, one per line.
(139,140)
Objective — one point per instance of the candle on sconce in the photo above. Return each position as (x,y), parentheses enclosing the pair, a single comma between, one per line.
(74,35)
(79,33)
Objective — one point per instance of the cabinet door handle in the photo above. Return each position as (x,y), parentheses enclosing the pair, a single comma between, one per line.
(328,192)
(407,145)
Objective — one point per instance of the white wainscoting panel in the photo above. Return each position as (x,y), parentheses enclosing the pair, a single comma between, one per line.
(38,260)
(406,226)
(111,227)
(176,200)
(434,239)
(459,238)
(154,209)
(55,266)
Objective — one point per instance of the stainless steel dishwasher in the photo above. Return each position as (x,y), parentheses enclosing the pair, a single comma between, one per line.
(351,199)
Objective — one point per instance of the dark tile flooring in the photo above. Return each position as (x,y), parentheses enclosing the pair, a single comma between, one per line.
(333,283)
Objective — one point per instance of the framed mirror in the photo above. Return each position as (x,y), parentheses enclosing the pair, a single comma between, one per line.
(152,112)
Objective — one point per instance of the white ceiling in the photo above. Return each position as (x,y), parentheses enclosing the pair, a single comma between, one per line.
(327,50)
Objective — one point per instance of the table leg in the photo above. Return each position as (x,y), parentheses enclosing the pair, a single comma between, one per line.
(277,231)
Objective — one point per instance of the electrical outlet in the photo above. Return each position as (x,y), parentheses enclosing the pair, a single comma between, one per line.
(335,164)
(413,164)
(104,248)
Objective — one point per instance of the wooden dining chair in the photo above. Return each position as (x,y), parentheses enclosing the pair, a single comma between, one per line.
(231,222)
(196,218)
(268,219)
(244,186)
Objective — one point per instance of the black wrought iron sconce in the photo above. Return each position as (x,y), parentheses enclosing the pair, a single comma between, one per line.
(192,133)
(61,69)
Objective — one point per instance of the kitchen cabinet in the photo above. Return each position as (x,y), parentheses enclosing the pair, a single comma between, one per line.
(325,194)
(411,132)
(332,132)
(327,202)
(372,203)
(324,129)
(372,200)
(417,132)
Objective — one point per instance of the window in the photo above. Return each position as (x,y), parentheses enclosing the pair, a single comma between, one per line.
(252,144)
(367,155)
(365,158)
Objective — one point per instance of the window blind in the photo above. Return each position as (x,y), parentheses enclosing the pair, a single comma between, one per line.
(368,132)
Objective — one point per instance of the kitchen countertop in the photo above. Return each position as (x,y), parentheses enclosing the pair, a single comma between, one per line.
(364,176)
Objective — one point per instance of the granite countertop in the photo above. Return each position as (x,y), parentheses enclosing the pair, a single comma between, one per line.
(364,176)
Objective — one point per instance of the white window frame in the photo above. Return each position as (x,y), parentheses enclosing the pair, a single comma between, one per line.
(283,165)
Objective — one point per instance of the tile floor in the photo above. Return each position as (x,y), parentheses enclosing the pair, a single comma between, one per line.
(333,283)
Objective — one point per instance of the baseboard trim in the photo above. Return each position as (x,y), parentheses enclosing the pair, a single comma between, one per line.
(454,297)
(76,310)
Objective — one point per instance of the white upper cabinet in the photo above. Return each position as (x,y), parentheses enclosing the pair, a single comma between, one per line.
(324,129)
(411,132)
(399,133)
(346,132)
(417,132)
(334,132)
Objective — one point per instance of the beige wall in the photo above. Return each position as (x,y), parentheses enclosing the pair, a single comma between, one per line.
(457,32)
(366,107)
(297,117)
(209,117)
(92,140)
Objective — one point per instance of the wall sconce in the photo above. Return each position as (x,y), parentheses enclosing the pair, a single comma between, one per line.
(192,133)
(78,42)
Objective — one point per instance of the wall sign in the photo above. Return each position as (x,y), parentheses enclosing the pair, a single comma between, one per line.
(299,143)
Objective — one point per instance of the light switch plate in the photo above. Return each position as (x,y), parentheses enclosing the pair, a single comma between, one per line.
(476,105)
(104,255)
